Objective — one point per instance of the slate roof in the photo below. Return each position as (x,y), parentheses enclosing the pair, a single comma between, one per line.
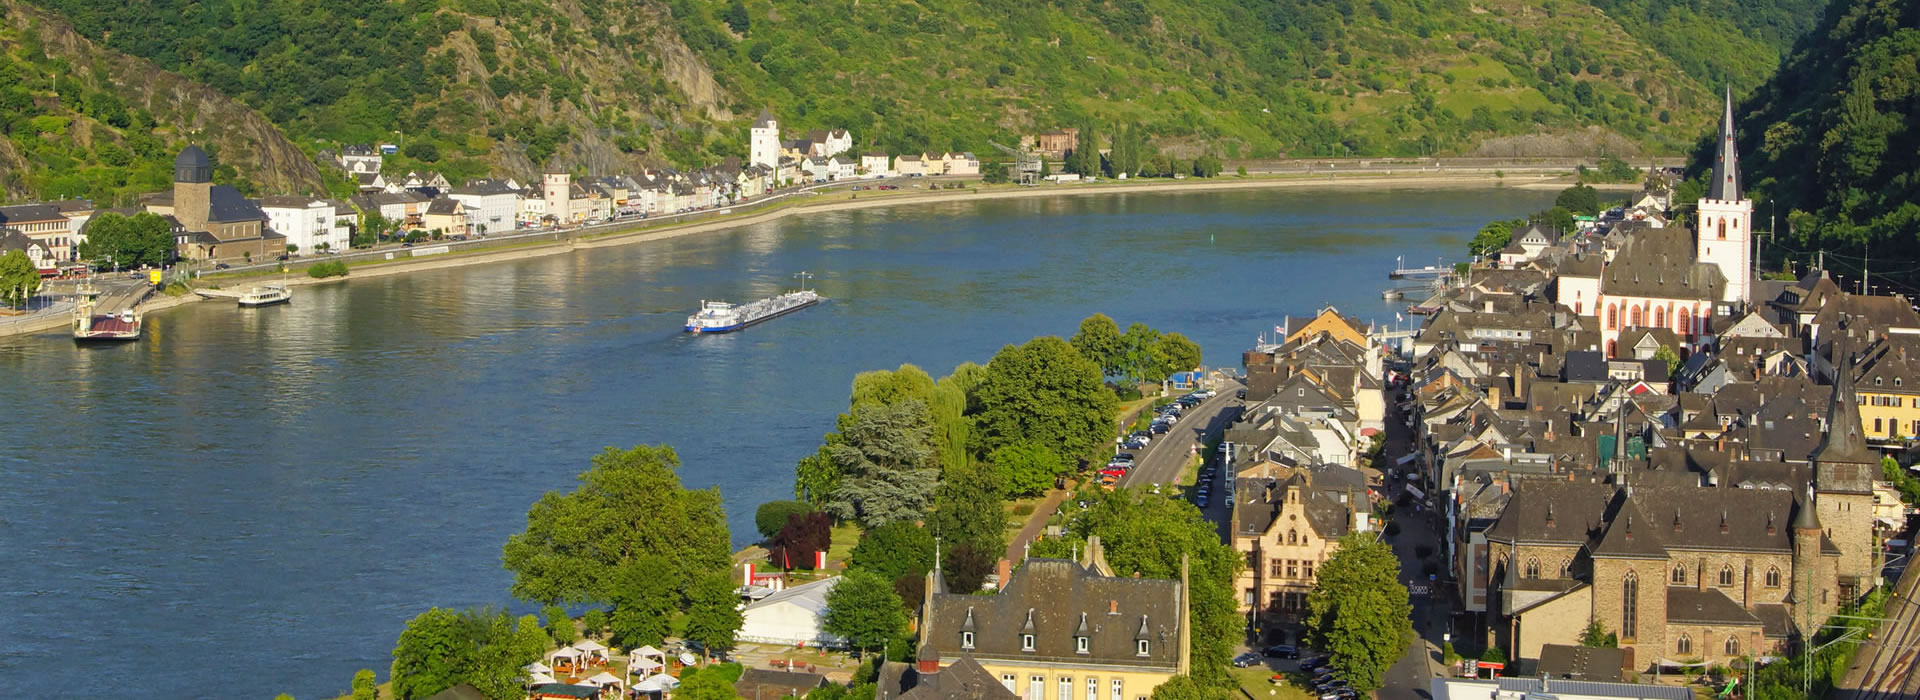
(1646,521)
(1846,440)
(444,206)
(1658,263)
(1052,599)
(22,214)
(226,205)
(1260,500)
(483,187)
(12,240)
(1725,184)
(765,120)
(1706,607)
(764,683)
(1578,663)
(964,679)
(1584,366)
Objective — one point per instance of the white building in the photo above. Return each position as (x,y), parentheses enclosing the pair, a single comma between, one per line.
(492,206)
(817,169)
(875,164)
(841,168)
(828,143)
(557,189)
(360,159)
(764,140)
(309,222)
(790,617)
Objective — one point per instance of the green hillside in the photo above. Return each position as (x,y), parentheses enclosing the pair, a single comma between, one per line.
(1831,137)
(1721,43)
(470,87)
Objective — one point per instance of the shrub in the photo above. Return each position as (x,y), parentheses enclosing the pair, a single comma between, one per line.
(330,268)
(1023,509)
(773,515)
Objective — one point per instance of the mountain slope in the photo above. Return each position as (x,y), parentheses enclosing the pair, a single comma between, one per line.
(1831,136)
(1719,43)
(81,121)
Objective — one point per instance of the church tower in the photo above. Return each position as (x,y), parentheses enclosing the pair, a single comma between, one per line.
(192,186)
(1812,595)
(1725,229)
(764,140)
(1844,468)
(557,189)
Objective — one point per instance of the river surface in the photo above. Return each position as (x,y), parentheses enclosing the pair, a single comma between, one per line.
(256,501)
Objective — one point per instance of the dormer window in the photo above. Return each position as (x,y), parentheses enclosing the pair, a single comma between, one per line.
(1079,645)
(1143,647)
(1026,642)
(966,640)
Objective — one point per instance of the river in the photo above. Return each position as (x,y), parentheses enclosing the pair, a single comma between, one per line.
(255,501)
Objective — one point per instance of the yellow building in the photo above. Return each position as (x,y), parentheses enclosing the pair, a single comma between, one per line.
(1889,405)
(1287,522)
(1330,322)
(1064,630)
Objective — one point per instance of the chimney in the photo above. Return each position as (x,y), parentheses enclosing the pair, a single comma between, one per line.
(1723,522)
(1005,569)
(1770,523)
(1113,607)
(928,660)
(1488,305)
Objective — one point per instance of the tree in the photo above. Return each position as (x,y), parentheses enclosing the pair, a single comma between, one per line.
(1044,392)
(1358,610)
(422,150)
(713,613)
(887,387)
(1027,469)
(559,625)
(706,685)
(1189,688)
(629,504)
(863,609)
(128,241)
(796,544)
(1099,341)
(365,685)
(646,594)
(885,462)
(1177,353)
(1666,354)
(1579,199)
(1597,636)
(1491,238)
(952,427)
(816,477)
(967,564)
(737,18)
(431,655)
(893,550)
(19,278)
(993,172)
(969,508)
(773,515)
(530,638)
(1138,361)
(593,622)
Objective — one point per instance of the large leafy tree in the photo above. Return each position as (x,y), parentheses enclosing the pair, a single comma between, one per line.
(481,647)
(1178,353)
(805,534)
(816,476)
(19,279)
(1147,534)
(706,685)
(1099,341)
(128,241)
(888,387)
(646,594)
(365,685)
(713,612)
(952,427)
(771,516)
(1491,238)
(1358,610)
(863,609)
(1027,469)
(1044,392)
(970,509)
(1139,359)
(886,464)
(630,504)
(893,550)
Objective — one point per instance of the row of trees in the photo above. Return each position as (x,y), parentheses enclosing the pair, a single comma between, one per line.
(128,241)
(1142,354)
(1578,200)
(1130,155)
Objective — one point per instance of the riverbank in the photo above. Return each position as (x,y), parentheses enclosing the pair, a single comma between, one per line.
(642,232)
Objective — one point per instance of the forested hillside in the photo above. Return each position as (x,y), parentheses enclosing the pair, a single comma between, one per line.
(1831,137)
(80,121)
(470,87)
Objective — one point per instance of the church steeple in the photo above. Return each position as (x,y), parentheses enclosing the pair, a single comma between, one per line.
(1846,440)
(1726,160)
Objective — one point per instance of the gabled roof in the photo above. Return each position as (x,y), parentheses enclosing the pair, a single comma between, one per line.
(226,205)
(1050,599)
(1706,607)
(1659,263)
(766,119)
(810,596)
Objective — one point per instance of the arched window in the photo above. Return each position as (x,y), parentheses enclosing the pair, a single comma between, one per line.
(1613,317)
(1723,229)
(1533,568)
(1659,317)
(1633,316)
(1773,577)
(1611,346)
(1683,645)
(1726,575)
(1684,325)
(1733,646)
(1679,575)
(1566,568)
(1576,308)
(1293,537)
(1629,605)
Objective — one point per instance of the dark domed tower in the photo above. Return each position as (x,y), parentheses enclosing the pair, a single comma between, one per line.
(192,179)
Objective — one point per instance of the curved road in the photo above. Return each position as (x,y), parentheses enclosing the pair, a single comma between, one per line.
(1162,460)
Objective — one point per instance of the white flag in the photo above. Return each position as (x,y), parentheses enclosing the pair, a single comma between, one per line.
(1398,318)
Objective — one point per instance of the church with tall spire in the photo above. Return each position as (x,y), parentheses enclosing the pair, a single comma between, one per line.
(1724,234)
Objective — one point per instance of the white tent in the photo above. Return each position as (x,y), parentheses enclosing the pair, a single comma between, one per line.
(536,667)
(540,678)
(656,683)
(592,650)
(790,617)
(571,654)
(603,680)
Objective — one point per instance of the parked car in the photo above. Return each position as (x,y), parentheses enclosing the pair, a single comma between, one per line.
(1245,660)
(1201,500)
(1282,651)
(1313,662)
(1159,428)
(1123,457)
(1330,685)
(1134,444)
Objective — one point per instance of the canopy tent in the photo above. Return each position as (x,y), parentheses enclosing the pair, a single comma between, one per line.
(567,657)
(604,679)
(645,659)
(540,678)
(656,683)
(536,667)
(592,651)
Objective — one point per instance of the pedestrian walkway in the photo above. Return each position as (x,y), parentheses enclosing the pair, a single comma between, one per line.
(1036,523)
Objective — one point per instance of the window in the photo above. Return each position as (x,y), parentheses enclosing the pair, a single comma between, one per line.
(1773,577)
(1683,645)
(1634,315)
(1006,679)
(1306,569)
(1250,596)
(1143,647)
(966,640)
(1876,425)
(1293,537)
(1533,568)
(1093,688)
(1613,317)
(1660,317)
(1278,569)
(1066,688)
(1733,646)
(1277,601)
(1293,569)
(1026,642)
(1679,574)
(1726,575)
(1684,324)
(1119,689)
(1723,229)
(1629,602)
(1079,645)
(1036,687)
(1566,568)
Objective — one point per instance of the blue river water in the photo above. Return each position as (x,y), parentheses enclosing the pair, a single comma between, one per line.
(255,501)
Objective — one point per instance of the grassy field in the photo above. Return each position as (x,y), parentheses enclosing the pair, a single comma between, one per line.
(1255,681)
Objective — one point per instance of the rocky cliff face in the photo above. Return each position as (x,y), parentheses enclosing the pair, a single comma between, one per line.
(183,111)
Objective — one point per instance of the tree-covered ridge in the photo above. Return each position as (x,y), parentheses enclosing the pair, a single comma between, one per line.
(1830,138)
(1733,43)
(1243,78)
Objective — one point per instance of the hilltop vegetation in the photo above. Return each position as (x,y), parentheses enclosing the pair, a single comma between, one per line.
(1830,137)
(1737,44)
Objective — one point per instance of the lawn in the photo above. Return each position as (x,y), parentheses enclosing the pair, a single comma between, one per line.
(1254,680)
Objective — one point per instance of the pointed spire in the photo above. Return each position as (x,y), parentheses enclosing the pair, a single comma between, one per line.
(1726,161)
(1807,519)
(1846,440)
